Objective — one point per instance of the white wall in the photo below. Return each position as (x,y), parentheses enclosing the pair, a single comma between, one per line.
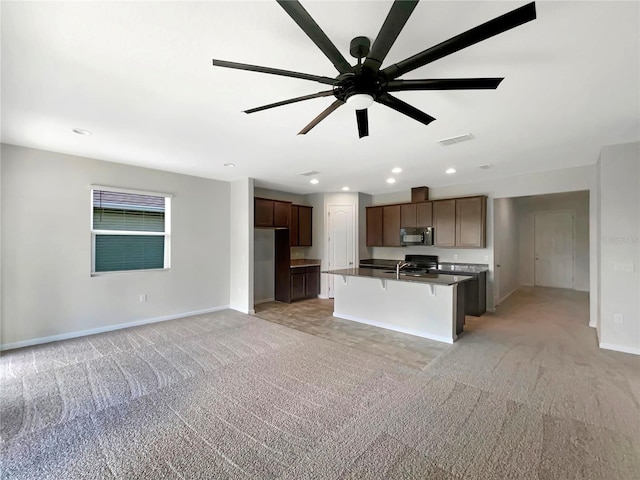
(619,195)
(364,252)
(279,195)
(578,203)
(241,248)
(48,289)
(506,241)
(264,265)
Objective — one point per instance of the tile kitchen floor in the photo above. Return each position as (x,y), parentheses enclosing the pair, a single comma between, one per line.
(315,317)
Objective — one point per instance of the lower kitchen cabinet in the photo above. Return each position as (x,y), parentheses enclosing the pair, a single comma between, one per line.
(305,282)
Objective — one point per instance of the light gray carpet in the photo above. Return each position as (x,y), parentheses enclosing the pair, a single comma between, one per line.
(524,394)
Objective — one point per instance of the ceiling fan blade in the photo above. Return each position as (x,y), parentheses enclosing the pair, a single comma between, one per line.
(273,71)
(327,93)
(299,15)
(325,113)
(470,37)
(400,12)
(403,107)
(363,123)
(444,84)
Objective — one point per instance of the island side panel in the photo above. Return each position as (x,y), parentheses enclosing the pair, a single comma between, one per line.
(401,306)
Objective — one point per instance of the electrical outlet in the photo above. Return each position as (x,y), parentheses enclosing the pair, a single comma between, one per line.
(455,256)
(486,258)
(143,297)
(618,318)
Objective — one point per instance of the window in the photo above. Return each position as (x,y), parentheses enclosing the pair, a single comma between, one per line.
(130,230)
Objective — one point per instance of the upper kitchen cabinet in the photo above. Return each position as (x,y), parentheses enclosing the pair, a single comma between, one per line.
(444,223)
(391,225)
(471,220)
(416,215)
(460,222)
(281,214)
(271,213)
(374,226)
(300,231)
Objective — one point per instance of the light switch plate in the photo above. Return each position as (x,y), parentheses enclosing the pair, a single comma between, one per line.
(618,318)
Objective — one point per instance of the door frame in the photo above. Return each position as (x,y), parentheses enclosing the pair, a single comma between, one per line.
(573,244)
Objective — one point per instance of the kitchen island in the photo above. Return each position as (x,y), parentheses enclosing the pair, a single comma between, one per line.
(427,305)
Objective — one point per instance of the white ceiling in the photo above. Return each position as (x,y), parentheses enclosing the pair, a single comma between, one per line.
(139,76)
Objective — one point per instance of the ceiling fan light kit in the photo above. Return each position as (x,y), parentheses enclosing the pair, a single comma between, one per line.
(360,101)
(366,82)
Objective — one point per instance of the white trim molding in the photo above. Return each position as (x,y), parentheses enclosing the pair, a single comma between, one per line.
(620,348)
(108,328)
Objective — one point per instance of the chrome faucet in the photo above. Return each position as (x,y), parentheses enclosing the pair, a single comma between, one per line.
(400,266)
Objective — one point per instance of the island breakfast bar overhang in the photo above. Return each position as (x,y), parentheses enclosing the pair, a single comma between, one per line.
(429,306)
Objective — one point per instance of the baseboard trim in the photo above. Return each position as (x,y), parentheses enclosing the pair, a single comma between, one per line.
(620,348)
(263,300)
(507,296)
(395,328)
(324,297)
(108,328)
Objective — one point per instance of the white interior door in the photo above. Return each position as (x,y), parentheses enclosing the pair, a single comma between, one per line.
(341,242)
(554,247)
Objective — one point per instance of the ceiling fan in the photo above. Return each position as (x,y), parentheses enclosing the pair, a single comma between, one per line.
(362,84)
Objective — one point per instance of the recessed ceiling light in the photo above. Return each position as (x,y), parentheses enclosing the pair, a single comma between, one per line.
(345,189)
(396,170)
(81,131)
(391,180)
(230,165)
(450,171)
(315,181)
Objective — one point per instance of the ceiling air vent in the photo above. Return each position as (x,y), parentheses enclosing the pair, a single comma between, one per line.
(457,139)
(310,173)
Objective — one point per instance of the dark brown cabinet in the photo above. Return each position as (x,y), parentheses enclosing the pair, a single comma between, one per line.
(305,282)
(300,231)
(458,222)
(374,226)
(391,225)
(281,214)
(263,212)
(471,218)
(271,213)
(416,215)
(424,216)
(408,215)
(444,223)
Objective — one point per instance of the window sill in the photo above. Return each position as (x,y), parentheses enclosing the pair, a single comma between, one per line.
(127,272)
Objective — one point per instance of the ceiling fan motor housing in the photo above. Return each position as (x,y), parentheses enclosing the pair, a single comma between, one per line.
(362,81)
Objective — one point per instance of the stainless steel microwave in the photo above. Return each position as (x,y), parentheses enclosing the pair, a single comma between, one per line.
(416,236)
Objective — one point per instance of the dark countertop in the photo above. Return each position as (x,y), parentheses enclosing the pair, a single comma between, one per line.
(445,266)
(431,278)
(304,262)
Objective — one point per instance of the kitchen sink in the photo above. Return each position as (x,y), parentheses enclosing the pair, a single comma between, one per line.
(422,273)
